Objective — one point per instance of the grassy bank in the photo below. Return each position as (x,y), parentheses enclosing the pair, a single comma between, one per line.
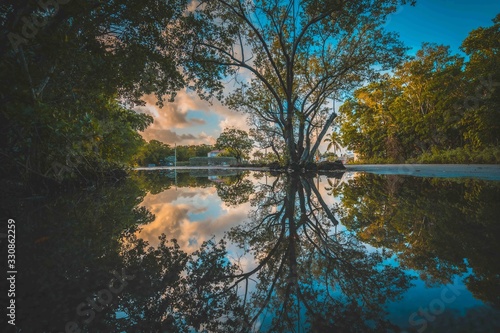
(490,155)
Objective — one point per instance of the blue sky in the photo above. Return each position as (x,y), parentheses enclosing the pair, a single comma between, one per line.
(445,22)
(191,121)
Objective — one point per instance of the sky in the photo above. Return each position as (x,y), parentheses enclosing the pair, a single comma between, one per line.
(190,120)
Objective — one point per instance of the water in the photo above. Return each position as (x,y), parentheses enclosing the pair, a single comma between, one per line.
(223,251)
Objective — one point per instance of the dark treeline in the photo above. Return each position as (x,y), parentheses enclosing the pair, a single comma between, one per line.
(438,107)
(71,71)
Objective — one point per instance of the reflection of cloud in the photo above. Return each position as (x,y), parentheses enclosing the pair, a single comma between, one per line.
(195,215)
(176,216)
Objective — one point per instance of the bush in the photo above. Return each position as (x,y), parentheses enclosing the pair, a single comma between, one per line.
(274,165)
(489,155)
(327,166)
(206,161)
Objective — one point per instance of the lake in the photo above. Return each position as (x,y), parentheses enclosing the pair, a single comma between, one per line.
(248,251)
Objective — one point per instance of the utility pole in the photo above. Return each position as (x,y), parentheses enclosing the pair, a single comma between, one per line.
(175,164)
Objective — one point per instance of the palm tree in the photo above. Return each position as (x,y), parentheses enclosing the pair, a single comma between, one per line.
(334,142)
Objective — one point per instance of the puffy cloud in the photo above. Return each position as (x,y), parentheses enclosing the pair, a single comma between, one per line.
(174,115)
(171,115)
(168,136)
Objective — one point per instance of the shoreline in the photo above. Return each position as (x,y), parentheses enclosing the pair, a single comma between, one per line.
(483,171)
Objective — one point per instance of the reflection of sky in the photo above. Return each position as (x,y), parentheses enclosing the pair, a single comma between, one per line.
(424,298)
(194,215)
(190,215)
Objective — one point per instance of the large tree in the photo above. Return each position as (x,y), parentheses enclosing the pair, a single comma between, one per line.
(299,54)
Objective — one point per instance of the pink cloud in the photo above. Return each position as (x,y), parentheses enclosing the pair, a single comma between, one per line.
(174,115)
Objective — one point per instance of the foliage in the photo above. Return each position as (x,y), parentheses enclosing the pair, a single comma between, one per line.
(236,142)
(72,244)
(299,54)
(159,153)
(71,71)
(333,142)
(212,161)
(234,190)
(433,103)
(153,152)
(488,155)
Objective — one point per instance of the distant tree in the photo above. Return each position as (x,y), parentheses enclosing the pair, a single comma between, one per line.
(154,152)
(236,142)
(203,150)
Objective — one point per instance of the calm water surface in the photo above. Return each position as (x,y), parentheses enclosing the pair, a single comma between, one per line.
(221,251)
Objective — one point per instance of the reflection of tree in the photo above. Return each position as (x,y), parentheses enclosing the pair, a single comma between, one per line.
(176,292)
(157,181)
(437,227)
(307,276)
(68,247)
(234,190)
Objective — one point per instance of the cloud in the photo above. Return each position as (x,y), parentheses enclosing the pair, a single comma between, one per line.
(171,115)
(170,137)
(166,135)
(175,115)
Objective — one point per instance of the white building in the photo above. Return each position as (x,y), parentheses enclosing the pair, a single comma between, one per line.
(214,153)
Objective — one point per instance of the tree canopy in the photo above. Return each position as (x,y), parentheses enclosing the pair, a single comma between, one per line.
(69,70)
(436,104)
(299,54)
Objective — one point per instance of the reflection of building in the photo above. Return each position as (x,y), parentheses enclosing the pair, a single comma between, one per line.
(199,161)
(214,153)
(170,160)
(215,179)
